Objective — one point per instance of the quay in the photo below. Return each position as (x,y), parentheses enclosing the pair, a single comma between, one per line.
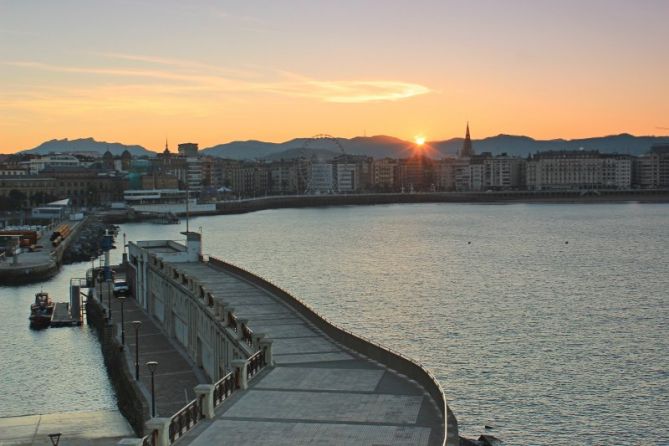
(240,361)
(42,263)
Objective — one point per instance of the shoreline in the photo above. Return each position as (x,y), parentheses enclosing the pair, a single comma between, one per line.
(493,198)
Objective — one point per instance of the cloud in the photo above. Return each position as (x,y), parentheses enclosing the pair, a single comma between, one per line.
(168,77)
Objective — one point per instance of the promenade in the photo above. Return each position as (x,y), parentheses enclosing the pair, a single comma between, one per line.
(241,361)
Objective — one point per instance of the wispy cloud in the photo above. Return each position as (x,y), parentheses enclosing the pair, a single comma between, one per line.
(169,76)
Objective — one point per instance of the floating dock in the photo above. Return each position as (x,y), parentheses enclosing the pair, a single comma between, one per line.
(62,316)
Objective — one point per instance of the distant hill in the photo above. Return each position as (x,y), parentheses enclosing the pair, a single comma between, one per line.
(388,146)
(523,145)
(379,146)
(87,145)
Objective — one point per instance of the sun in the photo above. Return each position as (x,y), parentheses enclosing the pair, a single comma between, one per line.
(420,140)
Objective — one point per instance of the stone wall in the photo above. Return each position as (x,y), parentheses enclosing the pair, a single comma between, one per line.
(131,401)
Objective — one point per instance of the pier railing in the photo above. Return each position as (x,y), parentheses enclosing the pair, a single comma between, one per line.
(223,388)
(185,419)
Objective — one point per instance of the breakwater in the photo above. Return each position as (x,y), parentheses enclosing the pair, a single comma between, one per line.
(298,201)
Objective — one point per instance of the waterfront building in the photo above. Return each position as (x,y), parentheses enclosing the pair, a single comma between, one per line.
(651,170)
(504,172)
(383,174)
(416,173)
(346,177)
(321,178)
(444,174)
(108,160)
(569,170)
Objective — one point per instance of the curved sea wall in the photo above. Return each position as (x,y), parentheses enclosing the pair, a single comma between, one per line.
(299,201)
(382,355)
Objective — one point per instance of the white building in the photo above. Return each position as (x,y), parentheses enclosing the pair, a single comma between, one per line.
(36,165)
(347,177)
(163,201)
(574,170)
(321,179)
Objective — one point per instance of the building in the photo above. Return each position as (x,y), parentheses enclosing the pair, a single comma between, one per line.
(188,149)
(504,172)
(383,174)
(37,165)
(321,178)
(578,170)
(651,170)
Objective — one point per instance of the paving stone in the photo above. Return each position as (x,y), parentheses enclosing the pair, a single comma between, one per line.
(299,378)
(322,406)
(234,432)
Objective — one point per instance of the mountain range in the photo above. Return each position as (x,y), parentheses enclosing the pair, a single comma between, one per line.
(375,146)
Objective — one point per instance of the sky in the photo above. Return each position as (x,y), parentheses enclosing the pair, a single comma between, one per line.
(143,71)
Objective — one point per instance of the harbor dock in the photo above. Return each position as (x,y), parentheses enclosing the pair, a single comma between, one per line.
(41,263)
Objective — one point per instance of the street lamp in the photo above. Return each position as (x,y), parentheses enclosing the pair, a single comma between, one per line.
(152,365)
(92,272)
(137,324)
(55,438)
(109,293)
(122,299)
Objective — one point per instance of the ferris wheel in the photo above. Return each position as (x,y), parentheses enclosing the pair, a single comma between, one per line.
(321,141)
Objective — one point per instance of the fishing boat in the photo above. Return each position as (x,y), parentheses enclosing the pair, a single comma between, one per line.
(41,311)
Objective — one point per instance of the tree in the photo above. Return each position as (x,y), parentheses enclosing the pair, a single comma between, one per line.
(17,200)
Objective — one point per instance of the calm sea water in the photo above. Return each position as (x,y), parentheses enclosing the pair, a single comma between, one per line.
(548,322)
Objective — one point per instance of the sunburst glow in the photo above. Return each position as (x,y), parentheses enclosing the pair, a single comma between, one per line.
(420,140)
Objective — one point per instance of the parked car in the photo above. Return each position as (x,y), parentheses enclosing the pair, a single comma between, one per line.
(121,287)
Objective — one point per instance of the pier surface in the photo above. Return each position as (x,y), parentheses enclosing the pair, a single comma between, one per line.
(95,428)
(318,391)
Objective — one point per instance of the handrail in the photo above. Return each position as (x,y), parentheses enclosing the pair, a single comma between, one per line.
(255,363)
(184,420)
(150,440)
(223,388)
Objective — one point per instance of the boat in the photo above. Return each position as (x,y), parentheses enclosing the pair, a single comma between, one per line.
(41,311)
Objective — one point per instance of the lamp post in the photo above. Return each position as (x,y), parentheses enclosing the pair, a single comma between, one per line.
(137,324)
(92,272)
(109,293)
(122,299)
(152,365)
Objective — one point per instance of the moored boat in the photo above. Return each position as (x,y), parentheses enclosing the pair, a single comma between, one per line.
(41,311)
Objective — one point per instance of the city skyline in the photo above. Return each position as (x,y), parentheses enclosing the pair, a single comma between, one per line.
(218,71)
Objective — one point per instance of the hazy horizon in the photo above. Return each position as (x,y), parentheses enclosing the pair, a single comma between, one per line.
(214,71)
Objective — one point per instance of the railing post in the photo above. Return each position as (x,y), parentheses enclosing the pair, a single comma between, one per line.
(162,425)
(205,395)
(266,344)
(241,324)
(240,366)
(257,338)
(229,313)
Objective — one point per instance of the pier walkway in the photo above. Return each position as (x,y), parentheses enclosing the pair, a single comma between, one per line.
(318,391)
(175,376)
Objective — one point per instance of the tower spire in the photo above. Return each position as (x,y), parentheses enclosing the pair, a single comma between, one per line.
(467,150)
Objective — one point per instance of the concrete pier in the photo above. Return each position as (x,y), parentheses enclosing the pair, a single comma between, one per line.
(280,373)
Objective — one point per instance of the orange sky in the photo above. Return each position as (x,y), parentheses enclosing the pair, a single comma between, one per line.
(137,72)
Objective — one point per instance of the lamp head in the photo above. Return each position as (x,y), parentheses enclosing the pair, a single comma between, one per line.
(152,365)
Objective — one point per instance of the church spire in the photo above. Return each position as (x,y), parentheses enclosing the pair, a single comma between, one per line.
(467,150)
